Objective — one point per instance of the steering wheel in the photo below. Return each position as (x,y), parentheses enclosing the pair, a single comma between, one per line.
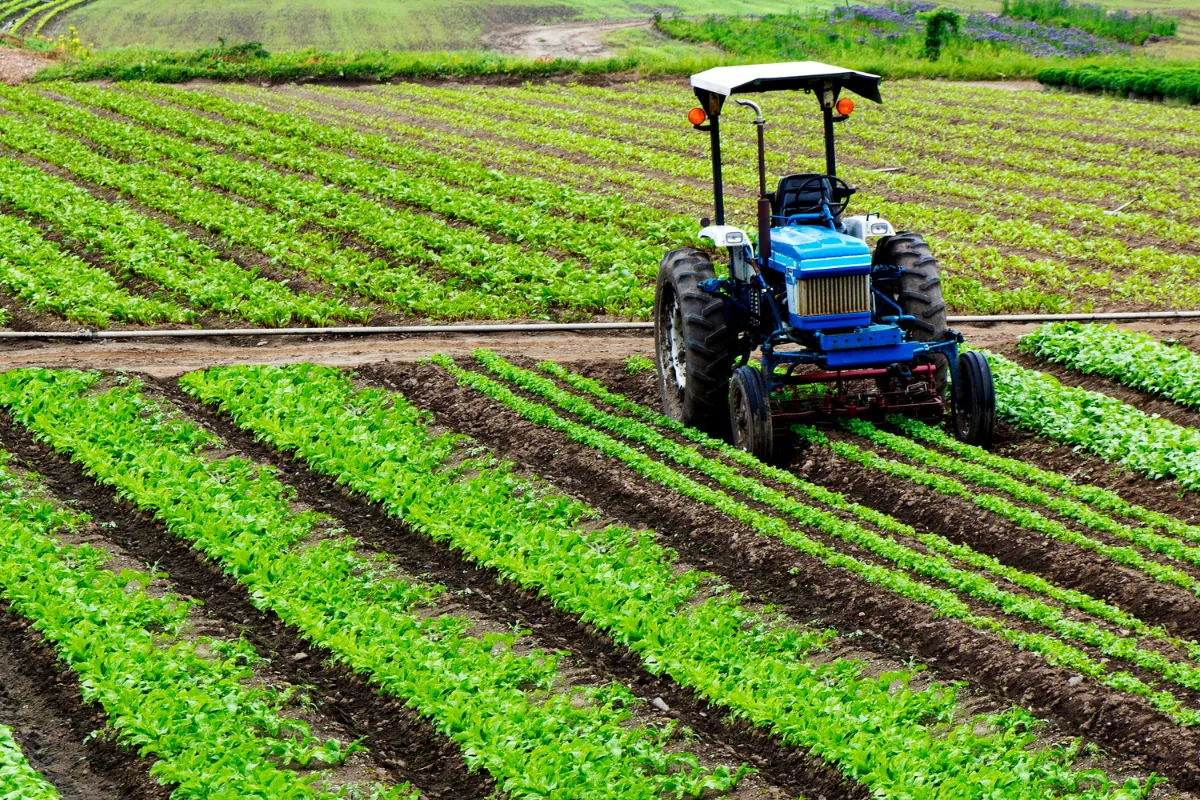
(835,207)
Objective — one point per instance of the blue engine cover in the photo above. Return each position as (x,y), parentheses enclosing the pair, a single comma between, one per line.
(803,252)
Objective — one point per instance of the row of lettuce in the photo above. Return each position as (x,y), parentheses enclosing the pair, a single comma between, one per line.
(895,739)
(1099,423)
(1056,634)
(1146,81)
(428,243)
(199,204)
(538,542)
(190,703)
(18,779)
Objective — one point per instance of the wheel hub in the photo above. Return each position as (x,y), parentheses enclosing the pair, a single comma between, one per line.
(678,345)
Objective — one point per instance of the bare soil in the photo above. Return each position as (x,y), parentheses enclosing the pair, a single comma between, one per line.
(582,39)
(16,65)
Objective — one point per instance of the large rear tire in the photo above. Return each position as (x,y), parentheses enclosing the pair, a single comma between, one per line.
(918,292)
(750,414)
(974,400)
(693,343)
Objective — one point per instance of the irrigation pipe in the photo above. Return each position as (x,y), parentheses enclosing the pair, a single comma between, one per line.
(556,327)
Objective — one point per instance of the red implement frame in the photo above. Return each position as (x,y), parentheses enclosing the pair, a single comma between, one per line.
(916,399)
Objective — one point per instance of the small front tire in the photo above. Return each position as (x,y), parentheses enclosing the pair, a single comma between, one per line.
(974,400)
(750,414)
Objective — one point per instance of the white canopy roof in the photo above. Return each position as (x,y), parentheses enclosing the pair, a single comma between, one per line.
(789,75)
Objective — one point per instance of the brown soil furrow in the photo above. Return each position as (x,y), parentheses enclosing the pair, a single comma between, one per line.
(808,589)
(485,592)
(1062,563)
(40,700)
(401,744)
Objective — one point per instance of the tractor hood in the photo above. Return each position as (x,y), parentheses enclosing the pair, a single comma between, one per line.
(828,277)
(811,250)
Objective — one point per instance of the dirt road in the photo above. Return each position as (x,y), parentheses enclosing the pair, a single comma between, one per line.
(167,358)
(17,65)
(583,39)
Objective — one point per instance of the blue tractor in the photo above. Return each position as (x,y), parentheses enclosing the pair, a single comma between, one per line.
(844,330)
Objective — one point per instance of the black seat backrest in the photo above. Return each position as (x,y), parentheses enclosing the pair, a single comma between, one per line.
(790,200)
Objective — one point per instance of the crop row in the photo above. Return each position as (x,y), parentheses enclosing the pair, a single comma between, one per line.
(49,279)
(1018,514)
(607,282)
(18,779)
(1095,496)
(539,216)
(972,121)
(628,586)
(1176,82)
(966,242)
(404,284)
(640,125)
(1129,357)
(188,702)
(241,224)
(959,233)
(616,163)
(506,144)
(1097,423)
(1097,608)
(908,561)
(512,714)
(143,246)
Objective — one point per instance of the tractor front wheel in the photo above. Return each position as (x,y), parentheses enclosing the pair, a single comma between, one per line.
(974,400)
(692,342)
(750,414)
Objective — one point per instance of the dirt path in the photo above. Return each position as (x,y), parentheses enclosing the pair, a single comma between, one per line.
(584,39)
(166,358)
(17,65)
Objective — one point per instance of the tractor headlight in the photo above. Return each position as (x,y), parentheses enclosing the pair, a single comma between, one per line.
(879,228)
(734,237)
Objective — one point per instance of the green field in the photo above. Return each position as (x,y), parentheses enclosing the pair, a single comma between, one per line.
(356,24)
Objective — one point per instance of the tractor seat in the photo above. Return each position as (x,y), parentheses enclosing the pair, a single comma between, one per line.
(790,200)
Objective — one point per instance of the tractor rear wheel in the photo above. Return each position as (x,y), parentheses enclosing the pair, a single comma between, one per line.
(692,342)
(918,292)
(974,400)
(750,414)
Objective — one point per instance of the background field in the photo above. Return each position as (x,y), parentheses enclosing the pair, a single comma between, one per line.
(345,25)
(350,25)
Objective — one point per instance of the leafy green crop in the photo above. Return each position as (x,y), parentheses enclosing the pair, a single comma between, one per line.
(512,713)
(1020,515)
(908,559)
(624,582)
(1098,497)
(1129,357)
(191,704)
(1097,423)
(18,779)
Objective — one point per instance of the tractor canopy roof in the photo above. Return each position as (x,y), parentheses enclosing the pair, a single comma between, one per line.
(809,75)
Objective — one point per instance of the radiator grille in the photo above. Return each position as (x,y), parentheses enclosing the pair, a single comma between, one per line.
(843,294)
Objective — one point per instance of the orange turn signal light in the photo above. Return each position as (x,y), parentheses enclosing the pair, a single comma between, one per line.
(845,106)
(697,116)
